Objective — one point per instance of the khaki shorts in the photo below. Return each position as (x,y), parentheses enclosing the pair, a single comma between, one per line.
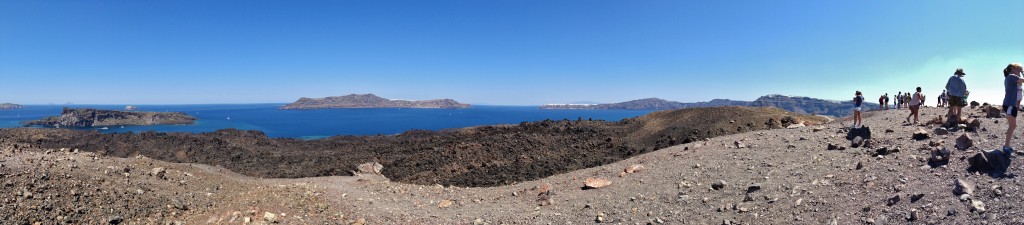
(957,101)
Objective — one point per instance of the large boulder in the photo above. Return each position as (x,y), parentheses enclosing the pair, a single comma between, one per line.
(973,124)
(992,112)
(989,161)
(863,132)
(964,142)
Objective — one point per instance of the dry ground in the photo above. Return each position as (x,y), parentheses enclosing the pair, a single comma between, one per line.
(779,176)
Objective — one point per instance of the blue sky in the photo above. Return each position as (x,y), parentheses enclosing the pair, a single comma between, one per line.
(498,52)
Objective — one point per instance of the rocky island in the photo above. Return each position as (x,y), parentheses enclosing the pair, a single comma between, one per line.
(371,101)
(5,106)
(795,104)
(97,117)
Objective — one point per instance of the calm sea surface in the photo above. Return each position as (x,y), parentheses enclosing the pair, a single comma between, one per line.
(325,122)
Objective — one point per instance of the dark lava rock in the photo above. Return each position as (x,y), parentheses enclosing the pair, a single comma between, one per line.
(892,200)
(115,220)
(916,196)
(885,151)
(973,124)
(964,142)
(753,188)
(989,161)
(98,117)
(857,142)
(920,134)
(862,132)
(718,185)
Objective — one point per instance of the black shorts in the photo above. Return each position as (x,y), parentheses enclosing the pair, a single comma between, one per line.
(1010,110)
(957,101)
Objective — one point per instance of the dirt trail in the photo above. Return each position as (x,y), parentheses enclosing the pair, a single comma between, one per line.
(779,176)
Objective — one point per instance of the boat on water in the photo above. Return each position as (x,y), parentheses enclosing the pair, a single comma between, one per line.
(102,128)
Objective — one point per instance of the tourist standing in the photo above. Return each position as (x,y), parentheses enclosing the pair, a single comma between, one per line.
(957,92)
(858,99)
(882,102)
(915,105)
(899,100)
(1010,101)
(907,98)
(886,101)
(941,99)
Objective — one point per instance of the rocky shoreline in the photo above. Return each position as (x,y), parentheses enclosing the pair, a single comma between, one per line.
(85,117)
(371,101)
(6,106)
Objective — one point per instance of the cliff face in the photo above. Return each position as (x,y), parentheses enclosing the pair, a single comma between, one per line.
(96,117)
(370,101)
(795,104)
(811,105)
(649,104)
(10,106)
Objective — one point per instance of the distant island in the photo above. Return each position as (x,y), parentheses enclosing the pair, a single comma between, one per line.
(6,106)
(804,105)
(371,101)
(97,118)
(648,104)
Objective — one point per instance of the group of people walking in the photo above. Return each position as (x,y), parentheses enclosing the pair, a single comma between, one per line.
(954,97)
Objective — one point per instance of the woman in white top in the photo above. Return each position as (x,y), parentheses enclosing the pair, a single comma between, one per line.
(915,105)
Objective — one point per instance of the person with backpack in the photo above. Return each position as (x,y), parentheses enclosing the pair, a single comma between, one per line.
(1012,81)
(956,91)
(915,105)
(858,99)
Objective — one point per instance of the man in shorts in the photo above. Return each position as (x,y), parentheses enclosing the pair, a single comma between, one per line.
(956,90)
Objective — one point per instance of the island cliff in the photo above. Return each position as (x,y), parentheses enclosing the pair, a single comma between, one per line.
(795,104)
(98,117)
(10,106)
(370,101)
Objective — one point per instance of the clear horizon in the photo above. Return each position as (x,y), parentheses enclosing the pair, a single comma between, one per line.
(498,52)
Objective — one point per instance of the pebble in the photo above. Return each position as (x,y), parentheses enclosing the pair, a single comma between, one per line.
(269,217)
(978,206)
(718,185)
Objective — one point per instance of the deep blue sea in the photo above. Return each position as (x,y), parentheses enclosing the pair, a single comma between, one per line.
(310,124)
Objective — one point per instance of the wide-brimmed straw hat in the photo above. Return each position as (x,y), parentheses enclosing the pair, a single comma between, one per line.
(959,71)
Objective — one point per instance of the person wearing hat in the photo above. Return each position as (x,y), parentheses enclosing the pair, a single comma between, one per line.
(956,91)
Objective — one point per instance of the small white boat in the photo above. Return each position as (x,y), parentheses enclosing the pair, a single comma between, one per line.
(103,128)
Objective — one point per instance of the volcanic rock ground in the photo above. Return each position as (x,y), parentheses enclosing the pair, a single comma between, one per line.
(777,176)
